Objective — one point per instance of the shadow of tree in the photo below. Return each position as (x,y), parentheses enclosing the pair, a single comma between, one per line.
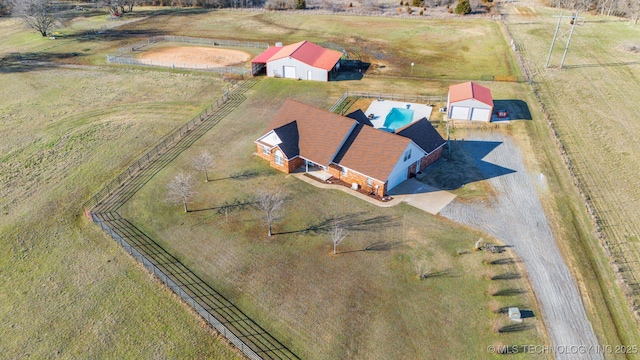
(351,222)
(504,261)
(515,328)
(509,292)
(507,276)
(32,61)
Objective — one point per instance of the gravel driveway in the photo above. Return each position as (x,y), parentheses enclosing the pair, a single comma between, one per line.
(516,218)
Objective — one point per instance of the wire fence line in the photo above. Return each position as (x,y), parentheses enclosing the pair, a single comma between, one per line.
(395,97)
(167,142)
(124,55)
(251,339)
(102,209)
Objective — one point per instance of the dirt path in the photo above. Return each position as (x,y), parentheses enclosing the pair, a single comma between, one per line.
(516,217)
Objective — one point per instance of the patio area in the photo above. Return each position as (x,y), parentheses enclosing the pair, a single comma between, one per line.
(379,109)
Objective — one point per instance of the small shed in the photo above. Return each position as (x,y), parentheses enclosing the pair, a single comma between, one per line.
(303,60)
(469,101)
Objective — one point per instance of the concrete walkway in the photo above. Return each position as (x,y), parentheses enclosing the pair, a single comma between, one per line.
(412,192)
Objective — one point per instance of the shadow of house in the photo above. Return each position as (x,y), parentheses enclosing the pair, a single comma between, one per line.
(350,70)
(517,109)
(466,165)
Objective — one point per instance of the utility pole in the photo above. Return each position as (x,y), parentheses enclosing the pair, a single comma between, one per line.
(561,34)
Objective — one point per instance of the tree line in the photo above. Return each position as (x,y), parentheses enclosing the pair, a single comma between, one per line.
(622,8)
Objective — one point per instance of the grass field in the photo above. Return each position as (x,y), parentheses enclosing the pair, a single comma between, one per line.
(592,104)
(439,48)
(68,291)
(64,131)
(358,304)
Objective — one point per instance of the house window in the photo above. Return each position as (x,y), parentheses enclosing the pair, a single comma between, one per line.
(407,155)
(344,172)
(266,150)
(369,182)
(277,158)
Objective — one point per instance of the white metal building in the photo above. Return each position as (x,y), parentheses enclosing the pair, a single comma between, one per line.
(469,101)
(303,60)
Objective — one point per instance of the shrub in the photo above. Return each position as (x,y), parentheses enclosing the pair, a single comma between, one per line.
(463,7)
(401,3)
(417,2)
(421,12)
(409,11)
(350,4)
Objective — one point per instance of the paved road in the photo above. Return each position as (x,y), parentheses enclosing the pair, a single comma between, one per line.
(516,217)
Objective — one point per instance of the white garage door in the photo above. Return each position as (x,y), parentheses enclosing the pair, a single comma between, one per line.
(459,112)
(480,114)
(290,72)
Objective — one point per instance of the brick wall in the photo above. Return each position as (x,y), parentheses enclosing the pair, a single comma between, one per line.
(354,177)
(430,159)
(288,165)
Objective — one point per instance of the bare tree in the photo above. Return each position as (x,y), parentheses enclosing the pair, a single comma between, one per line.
(338,234)
(180,190)
(204,162)
(40,15)
(422,269)
(271,204)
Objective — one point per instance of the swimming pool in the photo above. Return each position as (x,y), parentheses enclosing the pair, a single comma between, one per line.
(397,118)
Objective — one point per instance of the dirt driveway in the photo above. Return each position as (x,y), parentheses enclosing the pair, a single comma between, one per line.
(515,216)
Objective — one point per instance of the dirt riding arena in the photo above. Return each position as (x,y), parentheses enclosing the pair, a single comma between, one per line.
(197,56)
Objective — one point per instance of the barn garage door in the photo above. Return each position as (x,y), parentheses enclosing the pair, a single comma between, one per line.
(460,112)
(290,72)
(480,114)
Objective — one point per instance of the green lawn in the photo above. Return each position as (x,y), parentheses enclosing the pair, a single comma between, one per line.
(66,289)
(358,304)
(69,291)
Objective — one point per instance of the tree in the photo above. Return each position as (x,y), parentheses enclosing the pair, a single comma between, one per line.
(5,7)
(204,163)
(180,190)
(338,234)
(271,204)
(422,269)
(40,15)
(463,7)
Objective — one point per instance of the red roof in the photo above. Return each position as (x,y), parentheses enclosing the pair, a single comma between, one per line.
(304,51)
(321,132)
(470,90)
(266,55)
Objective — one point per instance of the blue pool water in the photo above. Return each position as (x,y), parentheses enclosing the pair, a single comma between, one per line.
(398,118)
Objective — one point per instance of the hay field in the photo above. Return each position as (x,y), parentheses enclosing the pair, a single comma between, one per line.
(592,104)
(440,49)
(66,289)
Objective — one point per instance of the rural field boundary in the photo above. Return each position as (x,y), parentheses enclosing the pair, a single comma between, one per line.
(619,259)
(124,55)
(395,97)
(249,337)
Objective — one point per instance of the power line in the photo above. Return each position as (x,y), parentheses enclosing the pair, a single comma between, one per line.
(562,34)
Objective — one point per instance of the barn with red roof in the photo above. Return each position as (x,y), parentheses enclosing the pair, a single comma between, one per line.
(469,101)
(303,60)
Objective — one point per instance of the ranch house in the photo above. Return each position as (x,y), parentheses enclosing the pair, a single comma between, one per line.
(469,101)
(303,60)
(327,145)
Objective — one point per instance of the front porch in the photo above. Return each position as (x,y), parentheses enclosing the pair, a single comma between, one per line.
(317,171)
